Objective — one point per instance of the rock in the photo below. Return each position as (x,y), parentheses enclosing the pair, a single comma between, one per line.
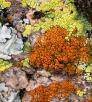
(34,37)
(16,78)
(44,73)
(23,82)
(57,78)
(32,85)
(26,98)
(29,71)
(43,81)
(12,82)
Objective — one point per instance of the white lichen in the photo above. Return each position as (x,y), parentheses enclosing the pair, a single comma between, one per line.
(10,44)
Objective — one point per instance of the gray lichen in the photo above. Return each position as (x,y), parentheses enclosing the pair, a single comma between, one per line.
(10,44)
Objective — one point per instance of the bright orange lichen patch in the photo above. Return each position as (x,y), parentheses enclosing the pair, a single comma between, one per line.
(45,94)
(52,51)
(56,89)
(67,88)
(39,94)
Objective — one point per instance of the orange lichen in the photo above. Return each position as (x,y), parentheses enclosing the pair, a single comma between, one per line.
(39,94)
(56,89)
(45,94)
(53,51)
(67,88)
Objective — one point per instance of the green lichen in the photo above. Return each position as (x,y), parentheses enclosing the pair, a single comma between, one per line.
(67,18)
(41,4)
(4,4)
(27,30)
(80,93)
(27,47)
(4,65)
(25,63)
(52,4)
(88,72)
(31,3)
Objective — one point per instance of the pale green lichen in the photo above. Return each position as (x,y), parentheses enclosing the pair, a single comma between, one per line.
(88,71)
(51,4)
(27,30)
(4,4)
(67,18)
(27,47)
(26,63)
(80,93)
(4,65)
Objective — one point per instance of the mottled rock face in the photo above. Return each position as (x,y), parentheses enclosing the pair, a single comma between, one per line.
(10,44)
(15,78)
(85,7)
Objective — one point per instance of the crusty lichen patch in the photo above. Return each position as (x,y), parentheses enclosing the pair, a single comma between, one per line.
(10,44)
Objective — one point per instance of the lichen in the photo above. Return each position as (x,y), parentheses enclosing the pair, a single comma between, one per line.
(87,75)
(55,89)
(10,44)
(26,63)
(4,65)
(59,13)
(80,93)
(27,30)
(52,51)
(27,47)
(4,4)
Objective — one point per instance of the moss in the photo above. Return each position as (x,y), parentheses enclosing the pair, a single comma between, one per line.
(4,65)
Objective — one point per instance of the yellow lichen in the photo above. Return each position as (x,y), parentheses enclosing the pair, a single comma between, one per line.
(4,65)
(4,4)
